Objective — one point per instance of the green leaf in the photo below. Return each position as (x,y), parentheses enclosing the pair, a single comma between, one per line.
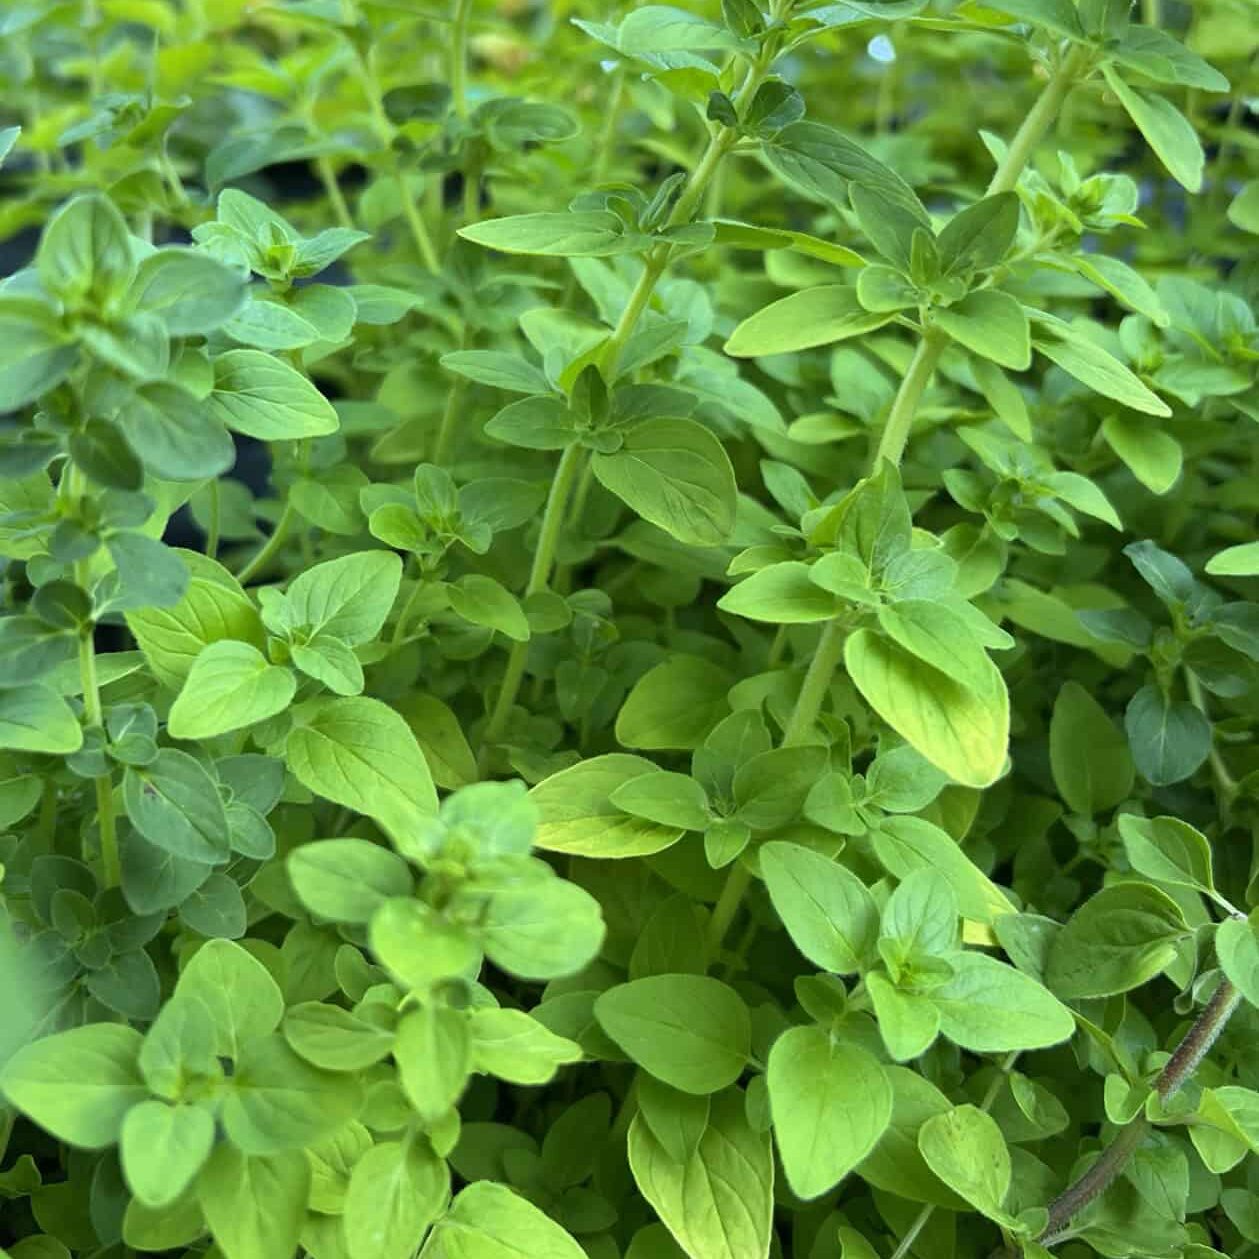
(940,637)
(965,1148)
(278,1101)
(959,730)
(908,1021)
(1092,767)
(542,929)
(488,1221)
(433,1050)
(231,686)
(358,753)
(816,316)
(84,255)
(1243,210)
(334,1039)
(244,1001)
(1166,130)
(690,1031)
(348,598)
(664,797)
(831,1103)
(781,594)
(37,719)
(1168,850)
(78,1085)
(675,474)
(583,234)
(905,844)
(420,946)
(515,1047)
(163,1147)
(190,292)
(577,815)
(254,1205)
(174,803)
(483,601)
(347,880)
(36,352)
(1153,457)
(213,608)
(1059,16)
(827,910)
(397,1189)
(1235,561)
(1117,940)
(988,1007)
(717,1203)
(674,705)
(263,397)
(979,236)
(1237,947)
(1169,738)
(991,324)
(450,759)
(1092,366)
(498,370)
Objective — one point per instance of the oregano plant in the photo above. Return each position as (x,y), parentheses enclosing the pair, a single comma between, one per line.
(629,630)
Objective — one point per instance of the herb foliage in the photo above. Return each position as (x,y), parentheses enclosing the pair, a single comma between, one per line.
(726,729)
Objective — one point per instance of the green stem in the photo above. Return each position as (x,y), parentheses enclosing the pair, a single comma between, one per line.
(539,579)
(923,1217)
(400,624)
(271,547)
(459,58)
(332,189)
(214,526)
(1039,119)
(1224,780)
(1180,1067)
(450,419)
(94,714)
(722,140)
(384,133)
(905,406)
(46,826)
(737,883)
(816,684)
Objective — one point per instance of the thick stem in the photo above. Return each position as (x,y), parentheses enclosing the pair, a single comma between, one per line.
(905,405)
(737,883)
(539,579)
(816,684)
(1180,1067)
(1039,119)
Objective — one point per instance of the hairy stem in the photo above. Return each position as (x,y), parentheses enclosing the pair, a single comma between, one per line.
(539,579)
(1039,119)
(1180,1067)
(905,405)
(736,885)
(270,548)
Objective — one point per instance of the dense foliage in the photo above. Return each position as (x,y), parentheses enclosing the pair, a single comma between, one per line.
(628,632)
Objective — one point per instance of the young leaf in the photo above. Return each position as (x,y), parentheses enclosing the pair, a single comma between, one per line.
(831,1103)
